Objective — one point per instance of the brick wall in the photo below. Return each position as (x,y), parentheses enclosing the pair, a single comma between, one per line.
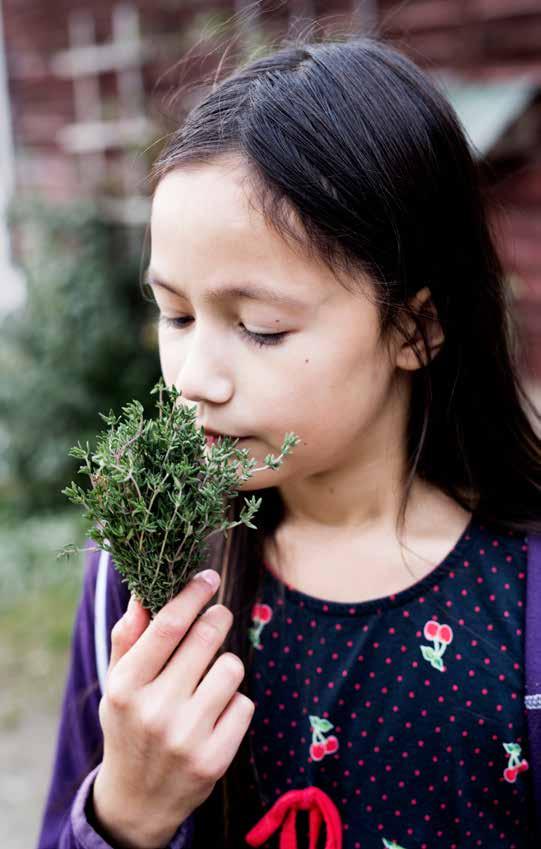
(490,39)
(493,39)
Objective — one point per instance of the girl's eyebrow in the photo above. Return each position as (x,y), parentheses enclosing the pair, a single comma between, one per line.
(239,290)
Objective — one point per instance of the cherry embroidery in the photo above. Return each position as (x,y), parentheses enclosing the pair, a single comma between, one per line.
(390,844)
(321,745)
(441,636)
(515,764)
(261,615)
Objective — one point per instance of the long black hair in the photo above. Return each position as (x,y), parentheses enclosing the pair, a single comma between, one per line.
(356,141)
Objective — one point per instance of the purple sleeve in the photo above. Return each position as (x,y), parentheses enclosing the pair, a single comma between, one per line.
(67,818)
(533,666)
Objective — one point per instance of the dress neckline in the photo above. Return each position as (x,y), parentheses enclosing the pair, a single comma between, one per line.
(351,609)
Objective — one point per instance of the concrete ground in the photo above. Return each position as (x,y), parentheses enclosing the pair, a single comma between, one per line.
(34,655)
(26,753)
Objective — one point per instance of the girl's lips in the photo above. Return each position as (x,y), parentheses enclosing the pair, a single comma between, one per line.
(211,439)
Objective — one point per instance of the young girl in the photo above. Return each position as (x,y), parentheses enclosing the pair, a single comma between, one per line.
(322,264)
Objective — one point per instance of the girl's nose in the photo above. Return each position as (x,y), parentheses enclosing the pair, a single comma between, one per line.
(204,375)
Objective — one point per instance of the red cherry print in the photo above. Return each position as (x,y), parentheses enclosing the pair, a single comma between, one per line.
(264,613)
(445,634)
(261,614)
(331,745)
(431,630)
(317,751)
(522,766)
(510,774)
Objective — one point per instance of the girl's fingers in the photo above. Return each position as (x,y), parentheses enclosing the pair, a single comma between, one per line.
(189,663)
(127,630)
(216,691)
(155,645)
(229,732)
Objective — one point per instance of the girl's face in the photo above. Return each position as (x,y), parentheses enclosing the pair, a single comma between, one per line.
(326,378)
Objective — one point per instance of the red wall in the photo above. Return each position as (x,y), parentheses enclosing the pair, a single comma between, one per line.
(484,38)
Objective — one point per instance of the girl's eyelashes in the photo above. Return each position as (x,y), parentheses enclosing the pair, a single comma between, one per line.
(260,339)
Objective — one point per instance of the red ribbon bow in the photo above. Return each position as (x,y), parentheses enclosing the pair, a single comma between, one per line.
(284,814)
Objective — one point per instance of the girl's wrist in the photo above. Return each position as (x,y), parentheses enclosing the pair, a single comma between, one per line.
(118,826)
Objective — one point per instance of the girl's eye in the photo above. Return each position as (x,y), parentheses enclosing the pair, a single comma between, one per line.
(260,339)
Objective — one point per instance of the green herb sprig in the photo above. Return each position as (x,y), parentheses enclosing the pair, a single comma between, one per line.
(158,493)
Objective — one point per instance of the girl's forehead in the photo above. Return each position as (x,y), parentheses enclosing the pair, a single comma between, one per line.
(205,218)
(229,173)
(216,194)
(207,232)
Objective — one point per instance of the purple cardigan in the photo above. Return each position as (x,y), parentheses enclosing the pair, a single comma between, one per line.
(532,660)
(67,820)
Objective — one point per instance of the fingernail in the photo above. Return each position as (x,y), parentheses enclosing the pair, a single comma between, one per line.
(130,609)
(210,576)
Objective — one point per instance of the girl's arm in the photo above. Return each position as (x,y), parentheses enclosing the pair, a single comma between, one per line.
(67,821)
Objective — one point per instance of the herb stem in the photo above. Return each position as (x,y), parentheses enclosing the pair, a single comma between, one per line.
(120,453)
(166,534)
(135,461)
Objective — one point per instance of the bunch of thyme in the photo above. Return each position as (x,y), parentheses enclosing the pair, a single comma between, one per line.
(158,493)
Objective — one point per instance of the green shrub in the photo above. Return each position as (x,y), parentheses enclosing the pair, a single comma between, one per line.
(82,343)
(28,557)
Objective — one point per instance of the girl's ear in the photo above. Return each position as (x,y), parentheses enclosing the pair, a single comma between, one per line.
(423,305)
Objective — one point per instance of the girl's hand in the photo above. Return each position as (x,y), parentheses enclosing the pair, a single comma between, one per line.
(169,733)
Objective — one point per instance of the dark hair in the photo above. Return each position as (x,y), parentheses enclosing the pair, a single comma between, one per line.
(349,138)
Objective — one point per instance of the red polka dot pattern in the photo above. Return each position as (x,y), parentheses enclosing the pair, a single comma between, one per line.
(406,710)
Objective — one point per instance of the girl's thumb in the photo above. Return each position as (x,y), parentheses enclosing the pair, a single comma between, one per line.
(128,629)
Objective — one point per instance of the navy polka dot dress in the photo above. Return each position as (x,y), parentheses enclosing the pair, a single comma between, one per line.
(396,722)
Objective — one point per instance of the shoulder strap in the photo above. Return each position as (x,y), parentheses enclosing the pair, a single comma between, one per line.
(533,624)
(532,697)
(100,620)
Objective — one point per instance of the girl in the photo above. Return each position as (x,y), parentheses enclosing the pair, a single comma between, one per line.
(322,264)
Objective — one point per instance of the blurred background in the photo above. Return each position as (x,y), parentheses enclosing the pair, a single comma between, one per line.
(84,105)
